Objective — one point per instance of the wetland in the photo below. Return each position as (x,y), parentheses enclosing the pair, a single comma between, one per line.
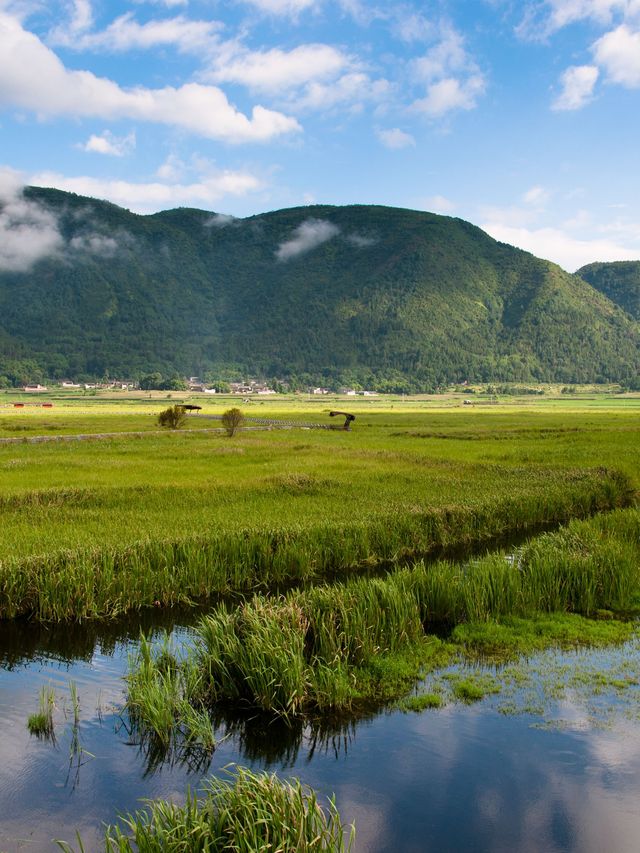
(487,702)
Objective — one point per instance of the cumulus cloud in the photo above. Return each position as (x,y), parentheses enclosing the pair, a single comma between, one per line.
(80,20)
(537,196)
(169,4)
(411,26)
(618,52)
(545,18)
(560,247)
(33,78)
(152,196)
(109,144)
(353,89)
(28,232)
(276,70)
(453,80)
(439,204)
(450,94)
(283,7)
(395,138)
(307,236)
(447,56)
(577,87)
(125,33)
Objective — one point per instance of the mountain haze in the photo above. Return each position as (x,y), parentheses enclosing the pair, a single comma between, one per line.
(387,297)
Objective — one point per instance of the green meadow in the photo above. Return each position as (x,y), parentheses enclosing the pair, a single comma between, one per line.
(95,527)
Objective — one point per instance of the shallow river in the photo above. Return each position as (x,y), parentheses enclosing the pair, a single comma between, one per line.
(561,777)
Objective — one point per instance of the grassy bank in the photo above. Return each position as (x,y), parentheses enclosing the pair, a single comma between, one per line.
(94,529)
(345,646)
(102,581)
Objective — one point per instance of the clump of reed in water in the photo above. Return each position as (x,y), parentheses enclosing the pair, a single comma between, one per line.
(321,649)
(41,723)
(246,812)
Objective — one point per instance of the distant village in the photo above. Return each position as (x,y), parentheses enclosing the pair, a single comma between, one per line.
(193,384)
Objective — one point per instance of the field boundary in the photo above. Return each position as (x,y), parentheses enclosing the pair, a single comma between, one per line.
(263,424)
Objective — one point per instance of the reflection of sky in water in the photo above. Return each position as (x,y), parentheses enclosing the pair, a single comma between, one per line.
(462,778)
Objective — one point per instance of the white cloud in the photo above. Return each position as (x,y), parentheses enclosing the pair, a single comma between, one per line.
(450,94)
(307,236)
(537,196)
(125,34)
(580,220)
(453,80)
(82,17)
(577,87)
(618,52)
(564,12)
(444,58)
(94,244)
(560,247)
(221,220)
(28,232)
(169,4)
(277,70)
(149,197)
(354,89)
(107,143)
(543,19)
(32,77)
(172,170)
(439,204)
(395,138)
(283,7)
(360,240)
(411,26)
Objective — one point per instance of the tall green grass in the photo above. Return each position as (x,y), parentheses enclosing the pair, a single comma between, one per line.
(85,583)
(315,649)
(41,722)
(247,813)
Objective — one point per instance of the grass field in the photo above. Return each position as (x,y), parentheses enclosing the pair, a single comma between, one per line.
(95,527)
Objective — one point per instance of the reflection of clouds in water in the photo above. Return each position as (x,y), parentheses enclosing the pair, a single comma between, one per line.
(460,778)
(618,749)
(369,811)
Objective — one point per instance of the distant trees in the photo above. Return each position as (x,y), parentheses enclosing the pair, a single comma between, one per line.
(172,418)
(232,421)
(156,382)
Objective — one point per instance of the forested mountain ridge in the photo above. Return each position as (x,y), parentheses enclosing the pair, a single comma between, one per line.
(386,297)
(619,280)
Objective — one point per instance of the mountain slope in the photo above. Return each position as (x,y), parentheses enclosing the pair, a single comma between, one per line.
(389,297)
(620,281)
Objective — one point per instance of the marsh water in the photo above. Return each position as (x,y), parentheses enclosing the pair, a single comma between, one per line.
(564,776)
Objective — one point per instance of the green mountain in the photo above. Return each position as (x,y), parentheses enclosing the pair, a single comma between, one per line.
(620,281)
(386,297)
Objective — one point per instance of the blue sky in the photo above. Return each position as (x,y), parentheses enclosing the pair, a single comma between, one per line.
(522,117)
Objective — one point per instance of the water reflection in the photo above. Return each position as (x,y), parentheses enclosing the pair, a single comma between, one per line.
(461,778)
(23,641)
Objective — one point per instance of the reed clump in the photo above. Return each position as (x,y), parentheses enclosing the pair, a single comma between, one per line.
(162,699)
(319,649)
(246,812)
(41,723)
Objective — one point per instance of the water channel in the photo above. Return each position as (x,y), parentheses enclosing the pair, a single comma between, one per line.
(564,776)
